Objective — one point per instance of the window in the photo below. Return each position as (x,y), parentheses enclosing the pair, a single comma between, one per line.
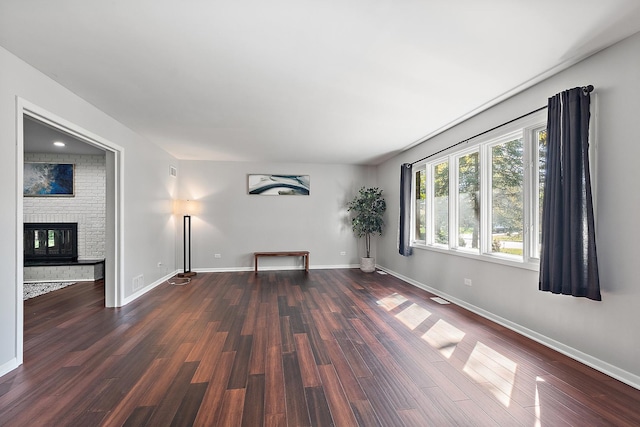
(420,206)
(484,200)
(541,140)
(468,171)
(441,203)
(507,192)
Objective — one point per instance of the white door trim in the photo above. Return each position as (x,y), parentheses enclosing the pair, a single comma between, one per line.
(114,216)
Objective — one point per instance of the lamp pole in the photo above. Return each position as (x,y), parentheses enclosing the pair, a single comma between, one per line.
(186,230)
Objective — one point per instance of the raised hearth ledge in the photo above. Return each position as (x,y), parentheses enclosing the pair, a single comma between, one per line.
(56,263)
(64,271)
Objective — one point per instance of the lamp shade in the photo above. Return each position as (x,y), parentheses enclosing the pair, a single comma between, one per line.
(186,207)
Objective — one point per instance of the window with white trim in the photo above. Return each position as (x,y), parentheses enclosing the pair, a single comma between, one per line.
(484,199)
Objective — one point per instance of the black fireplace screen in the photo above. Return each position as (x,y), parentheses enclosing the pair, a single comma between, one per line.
(51,241)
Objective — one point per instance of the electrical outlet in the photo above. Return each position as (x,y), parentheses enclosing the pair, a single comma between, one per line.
(343,253)
(467,282)
(217,256)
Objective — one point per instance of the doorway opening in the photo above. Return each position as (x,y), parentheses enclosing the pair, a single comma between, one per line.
(112,229)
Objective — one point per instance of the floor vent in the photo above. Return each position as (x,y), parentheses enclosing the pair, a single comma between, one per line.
(440,300)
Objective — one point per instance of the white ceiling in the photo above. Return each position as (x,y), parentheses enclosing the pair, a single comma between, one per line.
(349,81)
(39,138)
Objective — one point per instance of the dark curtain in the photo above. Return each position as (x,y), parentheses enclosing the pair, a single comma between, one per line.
(568,261)
(404,243)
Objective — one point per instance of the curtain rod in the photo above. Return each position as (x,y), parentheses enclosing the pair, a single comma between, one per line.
(585,90)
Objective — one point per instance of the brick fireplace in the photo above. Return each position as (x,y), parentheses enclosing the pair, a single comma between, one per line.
(51,253)
(86,208)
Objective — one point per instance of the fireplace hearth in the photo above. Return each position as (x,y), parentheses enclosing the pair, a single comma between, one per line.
(50,242)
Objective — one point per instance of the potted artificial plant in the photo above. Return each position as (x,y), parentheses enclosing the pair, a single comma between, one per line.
(367,209)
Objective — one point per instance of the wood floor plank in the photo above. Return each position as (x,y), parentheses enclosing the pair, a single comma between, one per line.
(253,412)
(139,331)
(319,413)
(288,344)
(139,416)
(394,391)
(248,327)
(188,409)
(131,401)
(345,372)
(275,420)
(209,360)
(324,330)
(274,333)
(274,383)
(317,345)
(235,330)
(231,412)
(214,395)
(258,351)
(156,393)
(308,369)
(281,348)
(341,411)
(240,369)
(168,406)
(384,410)
(202,343)
(475,413)
(364,413)
(297,409)
(356,363)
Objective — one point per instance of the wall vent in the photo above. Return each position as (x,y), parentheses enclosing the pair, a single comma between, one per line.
(173,171)
(138,282)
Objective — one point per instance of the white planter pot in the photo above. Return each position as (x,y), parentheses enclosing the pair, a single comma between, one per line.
(368,265)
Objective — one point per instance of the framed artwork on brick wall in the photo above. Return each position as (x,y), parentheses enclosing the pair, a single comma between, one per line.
(48,179)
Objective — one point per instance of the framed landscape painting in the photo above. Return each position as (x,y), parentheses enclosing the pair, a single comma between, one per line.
(279,185)
(48,179)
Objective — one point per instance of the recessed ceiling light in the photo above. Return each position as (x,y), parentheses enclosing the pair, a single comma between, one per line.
(59,144)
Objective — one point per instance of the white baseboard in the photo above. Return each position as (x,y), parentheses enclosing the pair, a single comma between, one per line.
(222,269)
(9,366)
(272,268)
(147,288)
(600,365)
(334,267)
(60,281)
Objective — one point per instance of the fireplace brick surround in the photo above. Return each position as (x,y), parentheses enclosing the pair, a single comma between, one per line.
(83,271)
(87,209)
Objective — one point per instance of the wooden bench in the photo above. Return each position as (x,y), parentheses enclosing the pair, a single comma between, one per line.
(304,254)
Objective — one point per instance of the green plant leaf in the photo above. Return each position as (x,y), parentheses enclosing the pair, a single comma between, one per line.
(367,208)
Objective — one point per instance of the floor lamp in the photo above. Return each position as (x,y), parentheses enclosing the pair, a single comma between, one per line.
(187,208)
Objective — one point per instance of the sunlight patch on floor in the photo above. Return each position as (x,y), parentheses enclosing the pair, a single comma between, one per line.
(413,316)
(537,404)
(392,301)
(444,337)
(493,370)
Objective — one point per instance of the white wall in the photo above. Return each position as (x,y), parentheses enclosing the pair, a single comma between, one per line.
(604,334)
(86,207)
(234,224)
(149,229)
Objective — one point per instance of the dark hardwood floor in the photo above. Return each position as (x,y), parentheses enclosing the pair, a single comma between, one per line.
(331,347)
